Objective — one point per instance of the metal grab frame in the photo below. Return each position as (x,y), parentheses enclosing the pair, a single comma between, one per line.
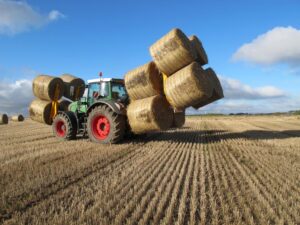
(54,103)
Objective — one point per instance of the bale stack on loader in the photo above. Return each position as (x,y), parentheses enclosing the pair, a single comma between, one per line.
(49,90)
(179,80)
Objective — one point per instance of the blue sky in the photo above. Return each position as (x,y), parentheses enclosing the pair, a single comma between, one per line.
(83,38)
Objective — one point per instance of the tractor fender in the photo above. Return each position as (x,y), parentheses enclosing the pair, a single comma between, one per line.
(116,107)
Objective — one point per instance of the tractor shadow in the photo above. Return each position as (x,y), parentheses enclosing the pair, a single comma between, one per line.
(213,136)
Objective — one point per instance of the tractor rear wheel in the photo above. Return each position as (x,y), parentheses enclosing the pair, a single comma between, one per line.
(64,126)
(105,126)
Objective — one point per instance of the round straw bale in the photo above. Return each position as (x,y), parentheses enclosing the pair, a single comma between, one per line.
(149,114)
(73,86)
(63,105)
(188,87)
(201,54)
(3,119)
(179,119)
(17,118)
(144,81)
(172,52)
(217,89)
(40,111)
(44,87)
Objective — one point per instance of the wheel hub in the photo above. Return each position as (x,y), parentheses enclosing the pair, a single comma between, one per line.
(60,128)
(101,127)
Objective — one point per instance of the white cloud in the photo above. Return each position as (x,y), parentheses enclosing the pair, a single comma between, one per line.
(234,89)
(55,15)
(15,97)
(279,45)
(19,16)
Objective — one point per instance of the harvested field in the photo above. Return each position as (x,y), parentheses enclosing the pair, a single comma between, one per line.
(215,170)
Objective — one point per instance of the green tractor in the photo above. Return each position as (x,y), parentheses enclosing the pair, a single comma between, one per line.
(101,113)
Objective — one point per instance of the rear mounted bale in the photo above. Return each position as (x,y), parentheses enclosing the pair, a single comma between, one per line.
(217,89)
(48,88)
(187,87)
(172,52)
(144,81)
(73,87)
(3,119)
(179,119)
(150,114)
(63,105)
(40,111)
(201,54)
(17,118)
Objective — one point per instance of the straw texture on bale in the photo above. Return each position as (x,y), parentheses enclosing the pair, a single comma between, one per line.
(149,114)
(144,81)
(40,111)
(3,119)
(187,87)
(217,89)
(201,54)
(63,105)
(17,118)
(71,84)
(179,119)
(43,87)
(172,52)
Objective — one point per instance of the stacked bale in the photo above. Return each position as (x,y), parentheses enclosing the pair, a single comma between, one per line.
(46,89)
(217,90)
(173,52)
(144,81)
(17,118)
(73,87)
(201,54)
(148,110)
(179,119)
(3,119)
(187,87)
(149,114)
(40,111)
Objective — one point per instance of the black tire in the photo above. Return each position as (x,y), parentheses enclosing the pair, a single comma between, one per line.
(64,126)
(105,126)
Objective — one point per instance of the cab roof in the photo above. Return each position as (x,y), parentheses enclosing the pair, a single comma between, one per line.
(97,80)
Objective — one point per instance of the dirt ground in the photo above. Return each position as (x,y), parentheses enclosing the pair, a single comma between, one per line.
(215,170)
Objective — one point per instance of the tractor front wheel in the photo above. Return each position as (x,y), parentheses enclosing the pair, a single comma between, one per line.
(64,126)
(105,126)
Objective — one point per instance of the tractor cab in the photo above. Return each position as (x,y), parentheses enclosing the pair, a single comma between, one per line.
(107,89)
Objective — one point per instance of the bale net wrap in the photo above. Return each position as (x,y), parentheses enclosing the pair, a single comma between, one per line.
(149,114)
(172,52)
(47,87)
(144,81)
(187,87)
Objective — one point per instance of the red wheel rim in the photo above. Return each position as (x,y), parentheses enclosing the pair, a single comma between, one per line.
(60,128)
(100,127)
